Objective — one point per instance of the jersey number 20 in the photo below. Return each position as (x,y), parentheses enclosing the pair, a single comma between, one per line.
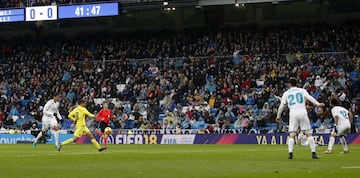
(295,99)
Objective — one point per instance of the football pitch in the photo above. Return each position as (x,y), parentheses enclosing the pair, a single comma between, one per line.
(174,161)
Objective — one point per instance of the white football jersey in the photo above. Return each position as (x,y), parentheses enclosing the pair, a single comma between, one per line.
(50,108)
(295,99)
(343,116)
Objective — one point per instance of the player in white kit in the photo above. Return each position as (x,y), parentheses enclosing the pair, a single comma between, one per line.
(342,125)
(50,119)
(294,98)
(303,140)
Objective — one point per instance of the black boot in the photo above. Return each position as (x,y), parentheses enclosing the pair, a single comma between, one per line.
(315,156)
(290,156)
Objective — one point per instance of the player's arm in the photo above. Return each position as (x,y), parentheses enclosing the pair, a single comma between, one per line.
(336,119)
(87,113)
(351,117)
(57,115)
(281,107)
(99,116)
(312,99)
(73,115)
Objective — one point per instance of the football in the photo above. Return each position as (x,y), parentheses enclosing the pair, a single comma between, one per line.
(108,131)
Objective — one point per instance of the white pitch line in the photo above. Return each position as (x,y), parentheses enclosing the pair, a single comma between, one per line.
(351,167)
(18,156)
(184,151)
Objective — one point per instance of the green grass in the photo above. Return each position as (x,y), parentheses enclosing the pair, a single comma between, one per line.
(174,161)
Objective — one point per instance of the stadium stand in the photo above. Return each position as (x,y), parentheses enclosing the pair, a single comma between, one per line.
(12,3)
(168,80)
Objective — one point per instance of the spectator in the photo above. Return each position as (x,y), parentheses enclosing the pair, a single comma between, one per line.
(238,122)
(184,75)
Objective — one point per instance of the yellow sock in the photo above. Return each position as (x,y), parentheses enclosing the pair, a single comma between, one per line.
(68,141)
(97,145)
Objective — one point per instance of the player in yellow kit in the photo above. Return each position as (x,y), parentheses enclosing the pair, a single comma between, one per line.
(78,115)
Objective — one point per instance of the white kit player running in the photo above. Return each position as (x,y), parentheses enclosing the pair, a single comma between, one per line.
(294,99)
(342,125)
(50,119)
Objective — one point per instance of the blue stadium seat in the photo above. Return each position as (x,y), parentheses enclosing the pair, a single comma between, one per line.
(270,126)
(195,125)
(129,124)
(161,117)
(39,125)
(357,121)
(201,124)
(24,102)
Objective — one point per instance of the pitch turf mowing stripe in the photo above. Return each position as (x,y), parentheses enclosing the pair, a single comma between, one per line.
(175,161)
(351,167)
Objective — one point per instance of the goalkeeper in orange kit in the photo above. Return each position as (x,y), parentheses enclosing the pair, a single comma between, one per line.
(78,115)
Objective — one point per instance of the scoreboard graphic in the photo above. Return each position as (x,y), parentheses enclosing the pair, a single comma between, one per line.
(54,12)
(12,15)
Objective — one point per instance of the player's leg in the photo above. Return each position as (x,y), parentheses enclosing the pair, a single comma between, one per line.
(55,131)
(306,127)
(293,126)
(312,145)
(68,141)
(331,143)
(40,134)
(101,131)
(77,134)
(92,139)
(45,126)
(291,143)
(103,125)
(342,139)
(344,144)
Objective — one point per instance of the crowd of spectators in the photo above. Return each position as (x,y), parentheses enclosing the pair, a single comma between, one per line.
(12,3)
(165,80)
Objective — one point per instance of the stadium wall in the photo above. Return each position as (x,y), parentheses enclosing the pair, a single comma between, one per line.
(259,139)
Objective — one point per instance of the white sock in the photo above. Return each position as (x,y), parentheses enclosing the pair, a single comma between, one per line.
(38,137)
(291,143)
(343,143)
(56,137)
(311,142)
(331,143)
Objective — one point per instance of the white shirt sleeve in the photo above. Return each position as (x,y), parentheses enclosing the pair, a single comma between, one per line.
(57,111)
(334,112)
(282,105)
(310,98)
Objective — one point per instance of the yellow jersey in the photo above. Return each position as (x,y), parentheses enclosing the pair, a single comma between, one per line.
(78,115)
